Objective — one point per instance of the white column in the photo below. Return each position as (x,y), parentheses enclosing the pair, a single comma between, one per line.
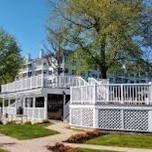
(23,105)
(94,93)
(3,105)
(8,108)
(45,106)
(70,116)
(16,105)
(150,93)
(95,117)
(122,98)
(64,102)
(33,109)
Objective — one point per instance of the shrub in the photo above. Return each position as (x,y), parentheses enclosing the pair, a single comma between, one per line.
(46,121)
(11,122)
(28,123)
(80,138)
(61,148)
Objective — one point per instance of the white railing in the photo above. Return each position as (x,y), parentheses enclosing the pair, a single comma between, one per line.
(93,81)
(113,94)
(83,94)
(66,81)
(43,81)
(9,110)
(35,113)
(23,84)
(125,93)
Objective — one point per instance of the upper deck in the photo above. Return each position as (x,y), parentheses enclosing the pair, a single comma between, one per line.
(42,81)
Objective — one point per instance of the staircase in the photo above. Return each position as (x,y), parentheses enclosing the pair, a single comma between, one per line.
(90,82)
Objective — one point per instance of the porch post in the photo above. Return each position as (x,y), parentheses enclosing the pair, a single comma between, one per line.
(64,102)
(3,105)
(33,113)
(8,107)
(24,109)
(45,106)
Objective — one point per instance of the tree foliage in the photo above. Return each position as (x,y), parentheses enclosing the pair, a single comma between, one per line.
(10,58)
(109,33)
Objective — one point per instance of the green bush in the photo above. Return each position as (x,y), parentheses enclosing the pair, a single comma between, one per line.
(80,138)
(28,123)
(46,121)
(61,148)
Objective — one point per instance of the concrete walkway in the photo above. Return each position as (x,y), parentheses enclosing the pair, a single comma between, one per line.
(39,144)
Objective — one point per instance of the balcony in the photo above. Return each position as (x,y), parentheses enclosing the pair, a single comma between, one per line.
(42,81)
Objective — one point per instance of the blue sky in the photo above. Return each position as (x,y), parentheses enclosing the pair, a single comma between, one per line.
(25,20)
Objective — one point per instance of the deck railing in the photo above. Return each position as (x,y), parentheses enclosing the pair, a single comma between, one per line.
(112,94)
(23,84)
(43,81)
(65,81)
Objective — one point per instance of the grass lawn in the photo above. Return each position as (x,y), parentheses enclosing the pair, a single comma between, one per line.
(1,150)
(26,131)
(123,140)
(91,150)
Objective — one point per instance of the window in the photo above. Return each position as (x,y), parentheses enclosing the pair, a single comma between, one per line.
(12,101)
(5,103)
(39,102)
(44,64)
(73,72)
(29,74)
(30,66)
(44,72)
(39,72)
(50,72)
(29,102)
(66,70)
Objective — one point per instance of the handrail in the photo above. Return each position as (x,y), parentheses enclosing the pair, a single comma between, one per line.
(140,93)
(43,81)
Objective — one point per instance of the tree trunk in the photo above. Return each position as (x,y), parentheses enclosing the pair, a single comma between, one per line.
(103,65)
(103,72)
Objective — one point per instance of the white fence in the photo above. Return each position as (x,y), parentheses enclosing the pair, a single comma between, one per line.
(35,114)
(43,81)
(65,81)
(112,106)
(23,84)
(112,93)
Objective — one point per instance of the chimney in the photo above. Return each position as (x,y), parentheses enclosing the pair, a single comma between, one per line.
(41,54)
(28,57)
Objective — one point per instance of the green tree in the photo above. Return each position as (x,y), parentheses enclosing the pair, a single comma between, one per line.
(10,58)
(108,32)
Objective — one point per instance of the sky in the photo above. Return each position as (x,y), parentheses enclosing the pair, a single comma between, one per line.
(26,21)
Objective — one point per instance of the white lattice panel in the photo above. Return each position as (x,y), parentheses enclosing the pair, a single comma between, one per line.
(136,120)
(82,117)
(109,119)
(87,117)
(76,116)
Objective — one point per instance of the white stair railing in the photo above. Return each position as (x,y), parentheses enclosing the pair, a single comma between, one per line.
(66,81)
(23,84)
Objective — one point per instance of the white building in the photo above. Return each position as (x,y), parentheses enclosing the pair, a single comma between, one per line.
(38,66)
(39,93)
